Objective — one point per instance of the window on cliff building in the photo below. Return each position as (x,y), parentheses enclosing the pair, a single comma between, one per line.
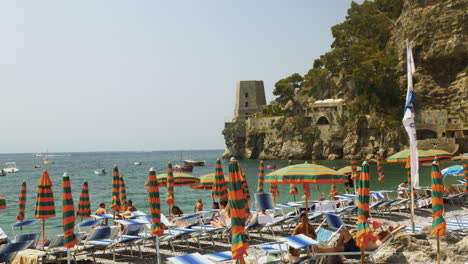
(246,95)
(246,104)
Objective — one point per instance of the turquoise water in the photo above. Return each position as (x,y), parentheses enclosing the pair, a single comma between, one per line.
(80,167)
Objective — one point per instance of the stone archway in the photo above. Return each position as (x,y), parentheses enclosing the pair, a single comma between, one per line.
(426,133)
(323,121)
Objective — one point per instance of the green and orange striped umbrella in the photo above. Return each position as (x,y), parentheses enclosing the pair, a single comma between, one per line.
(353,161)
(22,202)
(408,170)
(402,156)
(115,204)
(220,187)
(314,158)
(45,207)
(364,233)
(206,183)
(442,155)
(238,211)
(157,227)
(274,190)
(84,205)
(3,203)
(261,177)
(122,192)
(348,171)
(170,199)
(465,171)
(437,199)
(68,212)
(333,191)
(306,173)
(380,172)
(292,187)
(179,179)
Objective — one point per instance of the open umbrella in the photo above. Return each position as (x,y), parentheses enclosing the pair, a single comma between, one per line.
(219,186)
(364,234)
(157,227)
(292,187)
(122,193)
(179,179)
(115,204)
(2,203)
(170,199)
(441,154)
(45,207)
(347,170)
(84,205)
(68,220)
(22,202)
(380,172)
(238,211)
(402,156)
(465,171)
(261,177)
(437,200)
(206,183)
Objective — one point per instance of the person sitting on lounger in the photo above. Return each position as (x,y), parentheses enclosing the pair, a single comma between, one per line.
(130,207)
(221,221)
(102,211)
(301,227)
(346,242)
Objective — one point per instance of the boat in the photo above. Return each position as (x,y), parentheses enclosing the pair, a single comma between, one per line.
(10,167)
(194,162)
(35,166)
(137,163)
(46,160)
(100,171)
(271,167)
(187,168)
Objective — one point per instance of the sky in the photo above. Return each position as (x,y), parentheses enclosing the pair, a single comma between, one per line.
(79,76)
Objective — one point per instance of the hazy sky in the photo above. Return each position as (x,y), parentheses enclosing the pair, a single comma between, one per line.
(145,75)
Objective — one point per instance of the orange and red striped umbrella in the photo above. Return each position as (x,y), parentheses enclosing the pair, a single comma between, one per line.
(122,192)
(238,211)
(314,158)
(115,204)
(22,202)
(380,172)
(220,188)
(364,234)
(45,207)
(353,160)
(465,171)
(261,177)
(68,212)
(84,205)
(170,199)
(333,191)
(2,203)
(437,200)
(157,228)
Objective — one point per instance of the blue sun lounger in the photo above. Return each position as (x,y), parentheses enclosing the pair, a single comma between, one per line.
(8,251)
(194,258)
(220,256)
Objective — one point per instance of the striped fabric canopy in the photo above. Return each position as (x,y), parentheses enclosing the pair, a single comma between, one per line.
(220,187)
(314,158)
(238,211)
(354,174)
(45,207)
(2,203)
(333,191)
(402,156)
(157,228)
(465,171)
(206,183)
(122,193)
(348,170)
(68,212)
(292,187)
(274,190)
(22,202)
(437,199)
(179,179)
(170,199)
(306,173)
(84,205)
(440,154)
(261,177)
(408,171)
(115,204)
(380,172)
(364,234)
(245,186)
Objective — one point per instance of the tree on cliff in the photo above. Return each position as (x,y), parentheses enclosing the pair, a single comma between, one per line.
(286,87)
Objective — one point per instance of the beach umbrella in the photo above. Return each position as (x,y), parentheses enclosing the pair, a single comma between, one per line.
(245,186)
(333,191)
(238,211)
(220,188)
(261,177)
(45,207)
(157,227)
(437,200)
(84,205)
(364,233)
(455,170)
(115,204)
(179,179)
(122,192)
(274,190)
(408,171)
(170,199)
(292,187)
(347,170)
(314,158)
(442,155)
(68,220)
(402,156)
(380,170)
(465,171)
(22,202)
(3,203)
(353,161)
(206,183)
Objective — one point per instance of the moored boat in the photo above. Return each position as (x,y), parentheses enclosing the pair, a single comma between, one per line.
(271,167)
(100,171)
(137,163)
(2,173)
(194,162)
(187,168)
(11,167)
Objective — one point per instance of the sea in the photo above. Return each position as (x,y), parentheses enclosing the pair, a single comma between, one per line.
(81,166)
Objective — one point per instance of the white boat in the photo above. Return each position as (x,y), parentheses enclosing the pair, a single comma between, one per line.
(10,167)
(100,171)
(46,160)
(137,163)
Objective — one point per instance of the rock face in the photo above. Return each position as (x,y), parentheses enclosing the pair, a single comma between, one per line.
(438,30)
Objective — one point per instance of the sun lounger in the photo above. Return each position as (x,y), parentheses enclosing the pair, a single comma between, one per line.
(100,238)
(220,256)
(194,258)
(8,251)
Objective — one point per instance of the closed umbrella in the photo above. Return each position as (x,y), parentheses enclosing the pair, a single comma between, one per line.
(68,220)
(157,227)
(314,158)
(465,171)
(122,193)
(115,204)
(220,187)
(45,207)
(22,202)
(170,199)
(437,200)
(380,171)
(2,203)
(245,186)
(238,211)
(261,177)
(333,191)
(274,190)
(364,233)
(84,205)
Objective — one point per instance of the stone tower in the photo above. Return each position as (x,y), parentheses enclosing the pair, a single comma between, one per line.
(250,97)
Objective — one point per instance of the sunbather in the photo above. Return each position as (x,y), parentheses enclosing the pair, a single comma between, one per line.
(3,237)
(346,242)
(294,254)
(301,228)
(221,221)
(102,211)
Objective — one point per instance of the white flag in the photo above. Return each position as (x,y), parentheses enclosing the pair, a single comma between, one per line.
(408,119)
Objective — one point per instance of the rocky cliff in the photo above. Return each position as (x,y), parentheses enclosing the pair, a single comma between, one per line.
(437,31)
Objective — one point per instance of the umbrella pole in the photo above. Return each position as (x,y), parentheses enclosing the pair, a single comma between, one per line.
(43,234)
(362,256)
(158,256)
(412,208)
(68,256)
(438,249)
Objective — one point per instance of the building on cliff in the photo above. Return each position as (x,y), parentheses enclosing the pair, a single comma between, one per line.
(250,98)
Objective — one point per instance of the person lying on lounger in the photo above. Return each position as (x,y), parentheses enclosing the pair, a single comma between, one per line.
(346,242)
